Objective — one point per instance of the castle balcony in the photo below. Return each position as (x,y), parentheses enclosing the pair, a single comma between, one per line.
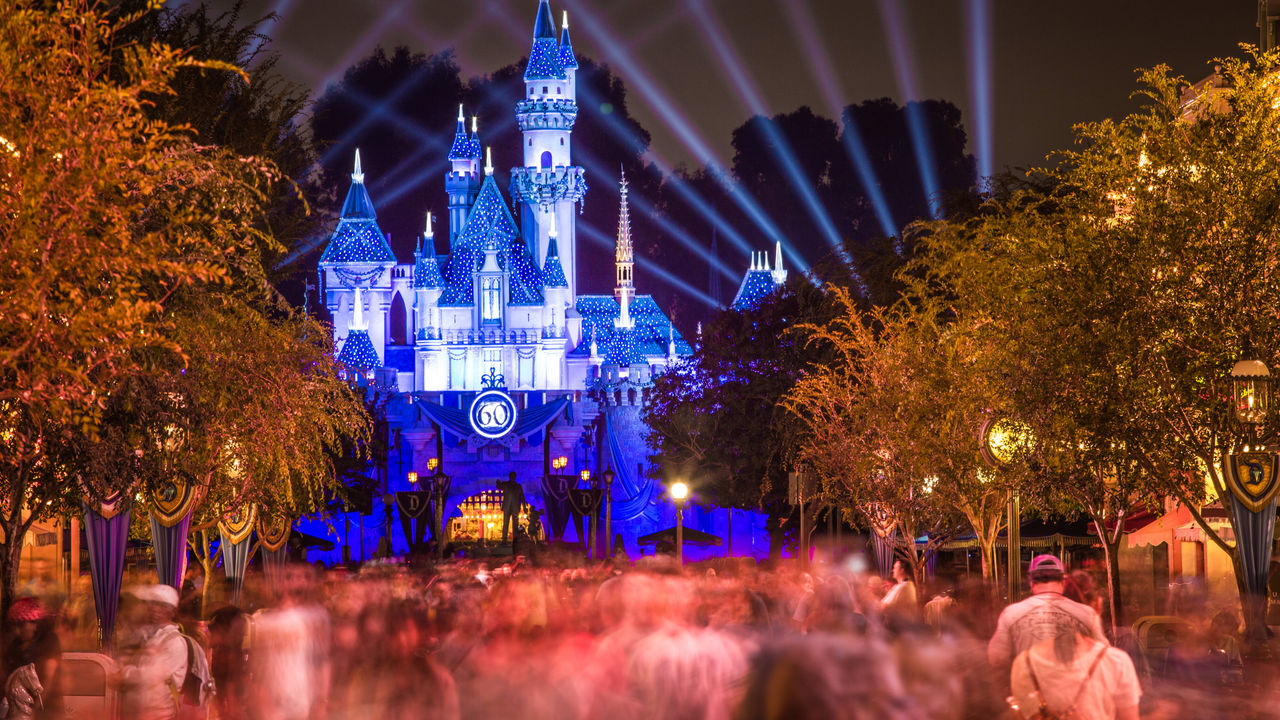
(546,114)
(538,186)
(402,273)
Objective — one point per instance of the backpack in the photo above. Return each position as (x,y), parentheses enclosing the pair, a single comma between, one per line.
(197,685)
(1043,712)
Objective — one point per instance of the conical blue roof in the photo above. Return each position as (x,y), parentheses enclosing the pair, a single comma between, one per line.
(490,224)
(357,352)
(461,148)
(543,27)
(756,286)
(552,270)
(567,59)
(426,272)
(357,237)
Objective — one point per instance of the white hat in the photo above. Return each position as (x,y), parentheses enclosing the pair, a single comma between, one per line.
(163,594)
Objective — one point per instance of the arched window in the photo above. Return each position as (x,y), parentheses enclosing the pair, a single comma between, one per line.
(546,159)
(398,321)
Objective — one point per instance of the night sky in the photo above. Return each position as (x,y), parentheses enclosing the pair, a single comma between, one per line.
(1053,63)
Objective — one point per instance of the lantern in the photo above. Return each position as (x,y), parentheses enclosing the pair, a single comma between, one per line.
(1251,391)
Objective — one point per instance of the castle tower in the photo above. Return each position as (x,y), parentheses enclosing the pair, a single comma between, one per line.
(462,182)
(356,268)
(548,185)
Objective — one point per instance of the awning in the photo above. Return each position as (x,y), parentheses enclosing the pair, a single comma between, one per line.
(691,537)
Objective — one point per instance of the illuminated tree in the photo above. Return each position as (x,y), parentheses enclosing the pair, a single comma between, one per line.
(133,300)
(1135,283)
(893,422)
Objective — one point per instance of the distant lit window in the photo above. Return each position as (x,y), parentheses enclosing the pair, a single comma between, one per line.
(546,159)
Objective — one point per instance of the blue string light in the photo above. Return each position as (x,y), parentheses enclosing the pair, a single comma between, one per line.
(544,61)
(756,286)
(552,271)
(357,241)
(489,224)
(648,339)
(358,353)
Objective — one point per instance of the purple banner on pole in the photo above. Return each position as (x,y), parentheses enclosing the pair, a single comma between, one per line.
(170,544)
(107,539)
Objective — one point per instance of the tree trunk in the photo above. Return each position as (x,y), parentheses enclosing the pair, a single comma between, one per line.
(1111,552)
(776,537)
(10,559)
(987,548)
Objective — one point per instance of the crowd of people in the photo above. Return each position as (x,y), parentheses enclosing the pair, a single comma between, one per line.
(545,641)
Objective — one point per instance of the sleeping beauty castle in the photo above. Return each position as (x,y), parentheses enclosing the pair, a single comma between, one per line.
(492,360)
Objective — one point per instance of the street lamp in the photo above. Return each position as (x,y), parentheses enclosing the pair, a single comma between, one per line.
(413,477)
(1004,441)
(608,476)
(1251,391)
(586,475)
(679,493)
(1250,474)
(560,463)
(439,491)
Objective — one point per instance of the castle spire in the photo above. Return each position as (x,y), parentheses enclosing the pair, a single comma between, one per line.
(357,175)
(567,59)
(461,148)
(475,137)
(358,322)
(624,258)
(544,56)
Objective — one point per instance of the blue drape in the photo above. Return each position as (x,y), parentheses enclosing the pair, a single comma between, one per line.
(636,493)
(170,545)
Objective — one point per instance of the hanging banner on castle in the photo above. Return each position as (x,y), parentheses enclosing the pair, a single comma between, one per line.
(1253,478)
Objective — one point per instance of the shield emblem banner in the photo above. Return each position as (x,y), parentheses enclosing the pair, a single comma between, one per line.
(413,503)
(1253,478)
(273,532)
(236,525)
(172,500)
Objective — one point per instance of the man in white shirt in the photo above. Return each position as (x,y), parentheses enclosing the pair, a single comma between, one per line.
(1040,617)
(152,676)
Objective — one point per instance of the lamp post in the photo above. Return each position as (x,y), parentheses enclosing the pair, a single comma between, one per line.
(439,492)
(591,508)
(1005,441)
(608,476)
(679,493)
(1251,476)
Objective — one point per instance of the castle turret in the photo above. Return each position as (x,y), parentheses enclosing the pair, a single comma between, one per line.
(463,180)
(555,291)
(428,284)
(548,180)
(568,60)
(357,257)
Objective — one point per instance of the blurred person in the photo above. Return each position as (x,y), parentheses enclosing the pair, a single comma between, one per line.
(826,677)
(154,670)
(1041,616)
(289,654)
(1210,657)
(900,599)
(938,611)
(228,634)
(30,660)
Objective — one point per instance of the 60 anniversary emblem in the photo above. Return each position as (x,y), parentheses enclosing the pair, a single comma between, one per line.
(493,414)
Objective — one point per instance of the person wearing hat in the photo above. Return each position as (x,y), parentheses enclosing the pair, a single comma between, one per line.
(152,678)
(30,661)
(1074,675)
(1040,617)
